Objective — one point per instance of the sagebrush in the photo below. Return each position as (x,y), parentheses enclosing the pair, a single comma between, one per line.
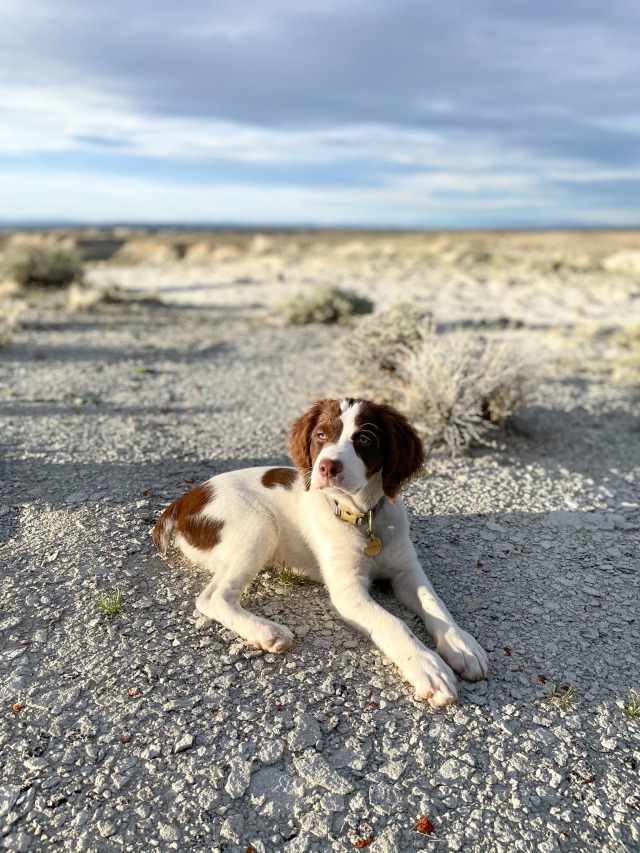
(456,387)
(325,304)
(40,266)
(374,342)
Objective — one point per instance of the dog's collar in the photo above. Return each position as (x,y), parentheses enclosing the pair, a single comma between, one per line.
(353,517)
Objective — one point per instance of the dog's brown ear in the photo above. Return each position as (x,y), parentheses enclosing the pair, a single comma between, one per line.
(404,453)
(300,440)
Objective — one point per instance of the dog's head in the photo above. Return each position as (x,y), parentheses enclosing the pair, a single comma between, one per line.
(340,445)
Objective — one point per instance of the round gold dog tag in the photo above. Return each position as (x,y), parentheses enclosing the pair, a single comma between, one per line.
(373,546)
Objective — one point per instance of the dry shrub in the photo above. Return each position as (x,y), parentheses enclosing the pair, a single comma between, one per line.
(42,266)
(373,343)
(325,305)
(455,387)
(146,250)
(82,298)
(11,311)
(628,337)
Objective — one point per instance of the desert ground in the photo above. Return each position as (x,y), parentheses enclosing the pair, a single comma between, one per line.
(157,729)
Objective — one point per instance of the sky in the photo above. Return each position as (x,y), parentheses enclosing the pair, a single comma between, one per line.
(381,113)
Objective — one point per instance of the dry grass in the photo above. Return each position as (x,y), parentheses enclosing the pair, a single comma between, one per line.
(83,298)
(11,311)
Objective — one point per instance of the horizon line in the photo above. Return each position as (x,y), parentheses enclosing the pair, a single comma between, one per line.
(45,224)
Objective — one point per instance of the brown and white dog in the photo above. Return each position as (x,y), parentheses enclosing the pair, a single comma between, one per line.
(337,518)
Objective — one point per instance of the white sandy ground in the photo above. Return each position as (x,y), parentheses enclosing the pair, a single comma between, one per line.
(453,295)
(159,730)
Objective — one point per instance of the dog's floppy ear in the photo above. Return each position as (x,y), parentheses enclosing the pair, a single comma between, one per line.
(300,440)
(404,453)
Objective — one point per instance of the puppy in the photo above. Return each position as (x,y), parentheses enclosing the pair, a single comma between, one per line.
(336,518)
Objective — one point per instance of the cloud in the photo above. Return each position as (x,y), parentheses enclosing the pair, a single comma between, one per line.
(475,104)
(402,202)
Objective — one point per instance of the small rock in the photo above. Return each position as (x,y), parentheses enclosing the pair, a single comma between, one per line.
(183,743)
(305,733)
(299,844)
(65,698)
(36,764)
(596,810)
(390,841)
(332,802)
(393,770)
(280,792)
(383,798)
(317,823)
(455,769)
(549,845)
(106,828)
(151,751)
(315,770)
(271,752)
(168,832)
(232,828)
(8,796)
(238,778)
(19,842)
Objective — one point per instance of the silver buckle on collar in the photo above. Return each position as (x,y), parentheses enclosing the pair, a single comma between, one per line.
(357,518)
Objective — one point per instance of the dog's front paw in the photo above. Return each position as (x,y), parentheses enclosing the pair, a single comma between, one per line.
(463,654)
(270,636)
(431,678)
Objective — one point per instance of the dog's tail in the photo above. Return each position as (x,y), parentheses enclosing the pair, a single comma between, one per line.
(165,525)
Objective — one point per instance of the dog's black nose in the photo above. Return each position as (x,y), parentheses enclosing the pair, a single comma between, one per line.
(330,468)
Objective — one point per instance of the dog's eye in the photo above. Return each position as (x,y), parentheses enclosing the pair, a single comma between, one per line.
(321,435)
(362,440)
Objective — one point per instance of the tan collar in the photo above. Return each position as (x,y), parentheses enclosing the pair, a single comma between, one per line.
(353,516)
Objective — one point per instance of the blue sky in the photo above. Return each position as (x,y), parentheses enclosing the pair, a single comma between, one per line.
(411,113)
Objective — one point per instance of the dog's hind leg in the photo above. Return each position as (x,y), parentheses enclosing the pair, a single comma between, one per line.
(237,562)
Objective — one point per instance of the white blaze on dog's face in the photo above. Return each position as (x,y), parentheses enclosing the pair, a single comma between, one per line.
(346,448)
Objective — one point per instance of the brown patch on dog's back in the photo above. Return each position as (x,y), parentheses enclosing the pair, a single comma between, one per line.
(284,477)
(185,516)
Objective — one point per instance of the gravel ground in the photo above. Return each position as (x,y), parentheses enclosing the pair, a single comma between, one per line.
(158,729)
